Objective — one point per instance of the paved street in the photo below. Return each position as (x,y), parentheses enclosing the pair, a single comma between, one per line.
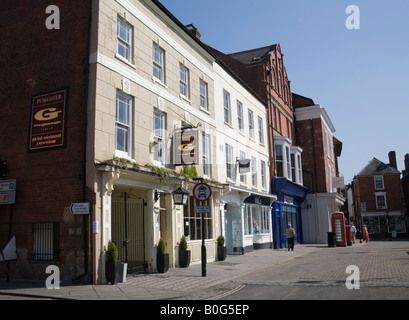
(309,272)
(383,274)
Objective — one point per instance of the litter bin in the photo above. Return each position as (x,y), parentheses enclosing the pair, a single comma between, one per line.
(331,239)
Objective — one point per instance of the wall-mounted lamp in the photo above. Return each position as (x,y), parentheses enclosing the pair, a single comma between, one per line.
(180,196)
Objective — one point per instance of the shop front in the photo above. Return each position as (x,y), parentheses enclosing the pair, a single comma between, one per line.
(287,209)
(246,217)
(382,225)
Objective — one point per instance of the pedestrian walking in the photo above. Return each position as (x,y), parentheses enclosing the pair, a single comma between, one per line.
(366,235)
(290,237)
(353,233)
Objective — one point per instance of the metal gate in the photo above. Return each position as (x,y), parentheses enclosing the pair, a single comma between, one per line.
(127,225)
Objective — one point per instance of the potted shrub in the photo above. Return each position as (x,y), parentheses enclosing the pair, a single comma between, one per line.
(221,249)
(113,266)
(162,258)
(184,254)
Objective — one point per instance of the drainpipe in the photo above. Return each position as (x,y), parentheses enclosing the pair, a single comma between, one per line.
(314,156)
(84,155)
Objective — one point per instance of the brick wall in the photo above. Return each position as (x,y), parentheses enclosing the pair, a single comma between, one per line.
(310,138)
(37,60)
(393,189)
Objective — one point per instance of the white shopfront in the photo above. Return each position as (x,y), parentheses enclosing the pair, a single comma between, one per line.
(246,220)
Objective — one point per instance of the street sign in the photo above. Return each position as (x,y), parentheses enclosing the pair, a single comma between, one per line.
(202,192)
(202,209)
(8,192)
(79,208)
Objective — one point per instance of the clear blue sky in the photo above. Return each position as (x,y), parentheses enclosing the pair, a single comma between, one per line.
(361,77)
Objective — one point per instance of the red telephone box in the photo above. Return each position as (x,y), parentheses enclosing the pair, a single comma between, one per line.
(338,226)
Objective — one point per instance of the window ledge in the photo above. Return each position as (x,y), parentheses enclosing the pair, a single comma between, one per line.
(124,60)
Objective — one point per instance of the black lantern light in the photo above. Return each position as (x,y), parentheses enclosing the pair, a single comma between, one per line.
(180,196)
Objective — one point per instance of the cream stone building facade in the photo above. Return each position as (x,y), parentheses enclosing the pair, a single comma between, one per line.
(150,80)
(243,164)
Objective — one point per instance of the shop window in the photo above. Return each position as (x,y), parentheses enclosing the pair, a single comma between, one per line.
(46,241)
(192,221)
(289,214)
(256,219)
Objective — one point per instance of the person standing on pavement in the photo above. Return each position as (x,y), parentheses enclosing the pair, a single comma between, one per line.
(353,233)
(366,235)
(290,237)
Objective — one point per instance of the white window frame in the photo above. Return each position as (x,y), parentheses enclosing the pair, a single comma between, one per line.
(243,176)
(159,138)
(158,57)
(381,195)
(229,162)
(379,179)
(124,124)
(284,143)
(203,96)
(251,124)
(206,155)
(260,130)
(297,164)
(253,172)
(184,81)
(240,116)
(227,108)
(124,42)
(263,174)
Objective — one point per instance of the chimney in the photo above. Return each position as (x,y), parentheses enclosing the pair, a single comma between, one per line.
(392,159)
(194,31)
(407,162)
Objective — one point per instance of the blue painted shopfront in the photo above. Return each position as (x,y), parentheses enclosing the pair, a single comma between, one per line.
(287,209)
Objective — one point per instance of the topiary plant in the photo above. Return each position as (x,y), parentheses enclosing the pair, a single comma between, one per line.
(112,252)
(220,241)
(183,243)
(161,246)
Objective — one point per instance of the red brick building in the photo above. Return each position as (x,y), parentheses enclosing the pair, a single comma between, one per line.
(378,198)
(42,136)
(315,135)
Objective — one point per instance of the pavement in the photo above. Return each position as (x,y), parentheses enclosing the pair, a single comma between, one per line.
(222,279)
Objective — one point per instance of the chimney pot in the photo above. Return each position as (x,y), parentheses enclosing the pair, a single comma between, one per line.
(392,159)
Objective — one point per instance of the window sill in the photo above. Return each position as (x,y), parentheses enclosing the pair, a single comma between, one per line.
(182,97)
(158,81)
(125,61)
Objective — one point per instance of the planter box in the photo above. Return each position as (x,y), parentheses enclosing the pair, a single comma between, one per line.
(162,261)
(184,258)
(221,253)
(114,271)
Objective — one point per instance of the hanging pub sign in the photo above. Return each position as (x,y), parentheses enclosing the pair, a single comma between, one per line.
(244,165)
(48,117)
(186,150)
